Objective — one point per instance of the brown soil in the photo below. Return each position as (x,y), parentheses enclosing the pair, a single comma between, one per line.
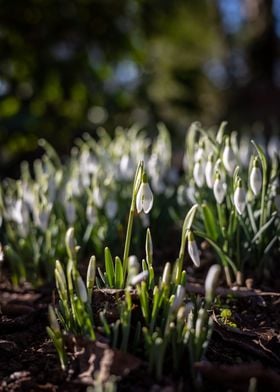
(237,356)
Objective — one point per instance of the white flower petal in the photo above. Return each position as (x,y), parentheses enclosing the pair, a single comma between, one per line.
(256,180)
(219,190)
(209,174)
(229,159)
(139,199)
(198,174)
(239,199)
(194,253)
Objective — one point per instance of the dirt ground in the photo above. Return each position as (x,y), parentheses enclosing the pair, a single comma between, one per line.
(244,354)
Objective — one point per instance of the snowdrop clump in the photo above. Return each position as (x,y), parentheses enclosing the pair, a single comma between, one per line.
(90,192)
(235,182)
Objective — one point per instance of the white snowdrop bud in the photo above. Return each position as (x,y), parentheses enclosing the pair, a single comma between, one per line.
(91,213)
(209,171)
(81,289)
(211,281)
(70,212)
(228,157)
(70,243)
(111,208)
(53,320)
(139,278)
(200,322)
(144,198)
(91,272)
(256,178)
(166,274)
(193,249)
(198,174)
(179,298)
(239,198)
(219,189)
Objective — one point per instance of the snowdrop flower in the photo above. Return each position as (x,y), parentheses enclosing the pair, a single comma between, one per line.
(200,151)
(209,171)
(166,275)
(193,249)
(70,243)
(111,208)
(144,198)
(70,212)
(81,289)
(228,157)
(219,189)
(211,281)
(239,197)
(91,213)
(273,146)
(256,178)
(179,297)
(139,278)
(198,174)
(97,196)
(126,167)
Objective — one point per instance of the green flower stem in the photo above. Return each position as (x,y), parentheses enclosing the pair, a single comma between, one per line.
(136,184)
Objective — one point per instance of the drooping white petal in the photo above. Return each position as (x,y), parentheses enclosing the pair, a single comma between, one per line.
(239,199)
(198,174)
(179,297)
(70,212)
(82,291)
(256,180)
(209,174)
(111,208)
(148,198)
(229,159)
(139,278)
(219,189)
(139,199)
(194,252)
(144,198)
(211,281)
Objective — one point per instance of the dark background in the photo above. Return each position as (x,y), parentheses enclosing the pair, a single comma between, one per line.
(69,66)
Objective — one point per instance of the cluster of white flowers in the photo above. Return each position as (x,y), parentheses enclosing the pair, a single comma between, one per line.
(212,161)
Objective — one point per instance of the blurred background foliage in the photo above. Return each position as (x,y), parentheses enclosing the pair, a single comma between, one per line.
(70,66)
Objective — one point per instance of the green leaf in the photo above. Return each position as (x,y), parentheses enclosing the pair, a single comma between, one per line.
(210,222)
(119,278)
(224,258)
(109,267)
(264,227)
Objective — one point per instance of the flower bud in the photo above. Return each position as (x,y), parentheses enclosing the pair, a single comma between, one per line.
(53,320)
(144,198)
(228,157)
(256,178)
(166,274)
(209,172)
(193,249)
(198,174)
(81,290)
(239,198)
(179,298)
(219,189)
(70,243)
(211,281)
(91,272)
(139,278)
